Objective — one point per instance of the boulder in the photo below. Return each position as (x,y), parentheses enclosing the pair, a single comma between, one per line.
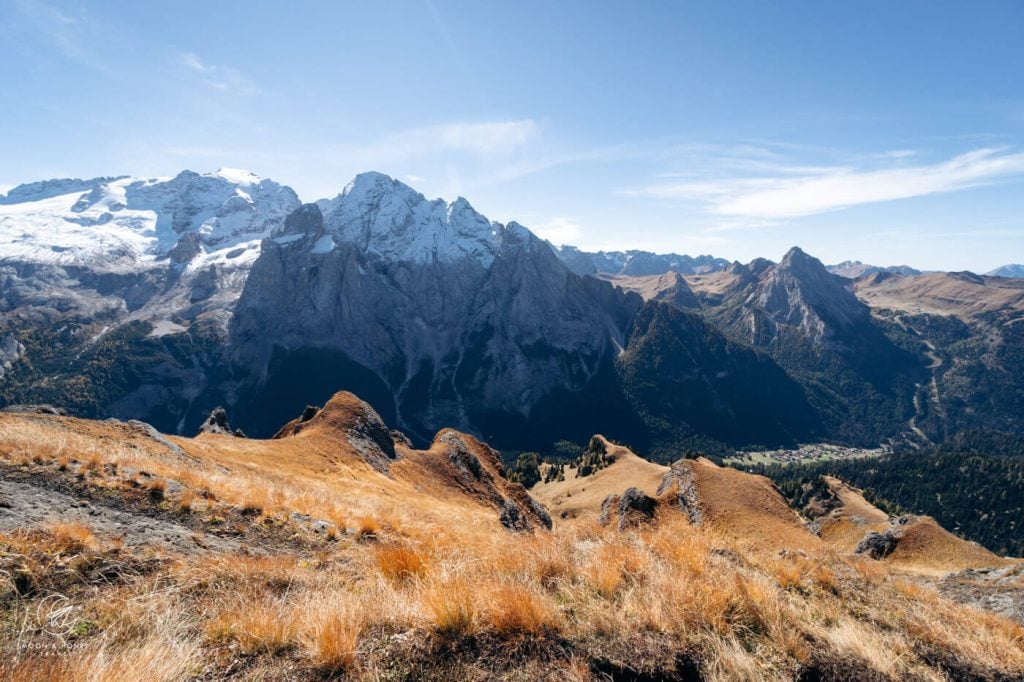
(877,545)
(632,508)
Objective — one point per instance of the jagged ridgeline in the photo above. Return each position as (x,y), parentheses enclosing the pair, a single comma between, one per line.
(160,299)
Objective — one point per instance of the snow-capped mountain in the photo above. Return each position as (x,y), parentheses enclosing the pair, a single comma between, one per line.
(389,219)
(165,250)
(122,224)
(431,300)
(162,298)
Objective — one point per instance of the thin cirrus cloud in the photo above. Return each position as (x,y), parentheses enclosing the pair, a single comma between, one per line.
(484,139)
(223,78)
(789,195)
(559,231)
(72,34)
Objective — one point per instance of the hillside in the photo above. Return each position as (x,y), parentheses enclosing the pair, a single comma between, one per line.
(963,295)
(335,548)
(967,488)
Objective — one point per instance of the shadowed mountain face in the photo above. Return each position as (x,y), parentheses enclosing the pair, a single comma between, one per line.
(685,378)
(453,321)
(442,318)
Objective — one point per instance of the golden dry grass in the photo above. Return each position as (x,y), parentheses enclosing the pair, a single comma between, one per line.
(399,562)
(575,497)
(440,571)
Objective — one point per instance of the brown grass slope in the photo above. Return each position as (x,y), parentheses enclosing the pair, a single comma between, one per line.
(922,546)
(343,559)
(744,506)
(943,293)
(581,497)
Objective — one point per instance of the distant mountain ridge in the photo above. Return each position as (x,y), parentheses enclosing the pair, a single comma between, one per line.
(221,289)
(160,299)
(636,263)
(853,269)
(1011,270)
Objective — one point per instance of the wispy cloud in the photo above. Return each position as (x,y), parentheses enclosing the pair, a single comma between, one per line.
(223,78)
(793,192)
(485,139)
(69,34)
(559,231)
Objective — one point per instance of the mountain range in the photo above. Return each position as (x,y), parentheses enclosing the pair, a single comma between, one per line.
(1011,270)
(159,299)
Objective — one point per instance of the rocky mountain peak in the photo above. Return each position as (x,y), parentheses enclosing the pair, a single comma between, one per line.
(797,259)
(386,218)
(799,291)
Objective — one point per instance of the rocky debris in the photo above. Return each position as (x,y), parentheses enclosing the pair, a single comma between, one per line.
(877,545)
(217,423)
(632,508)
(29,505)
(999,590)
(150,432)
(308,413)
(36,409)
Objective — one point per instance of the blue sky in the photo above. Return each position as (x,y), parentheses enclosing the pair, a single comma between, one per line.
(890,132)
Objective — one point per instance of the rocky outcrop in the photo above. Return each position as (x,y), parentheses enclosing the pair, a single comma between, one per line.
(680,480)
(998,589)
(348,419)
(632,508)
(877,545)
(217,423)
(463,463)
